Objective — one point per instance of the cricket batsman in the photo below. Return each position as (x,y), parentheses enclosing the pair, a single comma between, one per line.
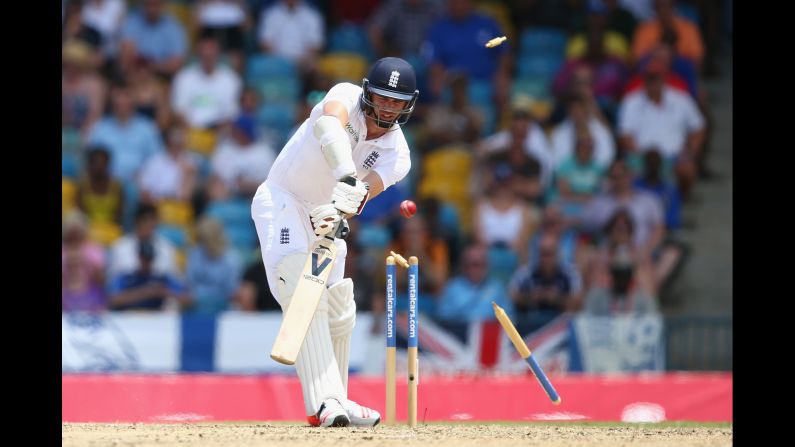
(353,132)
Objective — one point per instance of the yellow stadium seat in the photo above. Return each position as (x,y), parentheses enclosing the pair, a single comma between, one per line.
(343,67)
(184,14)
(615,45)
(445,175)
(68,196)
(202,141)
(181,260)
(175,212)
(104,233)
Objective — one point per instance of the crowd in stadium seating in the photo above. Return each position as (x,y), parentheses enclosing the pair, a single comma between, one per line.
(550,171)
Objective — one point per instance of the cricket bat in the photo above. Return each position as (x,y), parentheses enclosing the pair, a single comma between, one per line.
(305,299)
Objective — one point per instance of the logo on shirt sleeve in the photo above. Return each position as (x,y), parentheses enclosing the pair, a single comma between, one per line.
(370,160)
(284,236)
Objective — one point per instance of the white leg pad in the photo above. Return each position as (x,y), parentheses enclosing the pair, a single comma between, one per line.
(316,365)
(342,319)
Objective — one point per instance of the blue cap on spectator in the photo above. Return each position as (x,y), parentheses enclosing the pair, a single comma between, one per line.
(247,126)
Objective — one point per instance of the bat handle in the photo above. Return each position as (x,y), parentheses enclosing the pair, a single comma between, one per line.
(341,230)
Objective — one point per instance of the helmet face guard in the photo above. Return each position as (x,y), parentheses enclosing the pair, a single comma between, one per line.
(372,111)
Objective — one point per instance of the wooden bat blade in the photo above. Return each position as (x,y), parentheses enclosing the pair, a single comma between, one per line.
(304,302)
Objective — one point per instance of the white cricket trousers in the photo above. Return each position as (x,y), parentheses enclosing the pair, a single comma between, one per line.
(285,228)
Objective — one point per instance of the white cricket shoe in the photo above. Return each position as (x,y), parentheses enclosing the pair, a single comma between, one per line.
(360,415)
(330,414)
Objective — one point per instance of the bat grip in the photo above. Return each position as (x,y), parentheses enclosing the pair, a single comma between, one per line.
(340,229)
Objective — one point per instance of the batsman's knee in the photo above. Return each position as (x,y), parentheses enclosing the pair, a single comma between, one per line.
(341,308)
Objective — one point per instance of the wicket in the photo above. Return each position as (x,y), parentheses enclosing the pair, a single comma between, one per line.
(391,338)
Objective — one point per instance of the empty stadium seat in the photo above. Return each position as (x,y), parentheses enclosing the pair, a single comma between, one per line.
(278,117)
(175,212)
(261,66)
(445,176)
(175,234)
(70,166)
(502,263)
(68,196)
(343,67)
(231,212)
(202,141)
(534,87)
(540,66)
(278,89)
(350,38)
(542,40)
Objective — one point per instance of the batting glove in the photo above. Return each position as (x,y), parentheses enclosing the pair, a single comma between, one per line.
(324,217)
(350,199)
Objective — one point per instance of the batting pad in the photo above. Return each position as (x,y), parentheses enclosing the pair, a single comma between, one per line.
(316,365)
(342,319)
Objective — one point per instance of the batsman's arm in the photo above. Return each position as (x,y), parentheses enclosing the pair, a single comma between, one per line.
(329,129)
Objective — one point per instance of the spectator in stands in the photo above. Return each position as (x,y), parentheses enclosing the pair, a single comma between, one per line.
(647,216)
(501,217)
(579,177)
(146,289)
(106,17)
(548,287)
(293,29)
(555,224)
(620,278)
(456,43)
(598,39)
(205,95)
(649,33)
(213,270)
(83,91)
(227,21)
(240,163)
(665,118)
(131,138)
(645,208)
(680,73)
(415,239)
(254,293)
(250,101)
(171,174)
(124,257)
(525,133)
(398,27)
(75,28)
(150,93)
(82,267)
(455,122)
(579,120)
(653,181)
(468,296)
(99,196)
(156,35)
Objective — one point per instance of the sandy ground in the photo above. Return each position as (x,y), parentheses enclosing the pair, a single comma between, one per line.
(445,435)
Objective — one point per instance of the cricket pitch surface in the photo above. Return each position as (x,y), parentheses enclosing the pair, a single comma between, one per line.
(452,434)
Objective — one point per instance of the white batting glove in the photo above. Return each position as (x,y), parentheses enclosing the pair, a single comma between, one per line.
(324,217)
(350,199)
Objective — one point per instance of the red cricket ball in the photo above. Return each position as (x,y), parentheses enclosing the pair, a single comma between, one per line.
(408,208)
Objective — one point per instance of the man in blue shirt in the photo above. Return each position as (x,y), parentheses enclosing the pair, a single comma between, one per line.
(129,137)
(155,35)
(457,43)
(468,296)
(144,289)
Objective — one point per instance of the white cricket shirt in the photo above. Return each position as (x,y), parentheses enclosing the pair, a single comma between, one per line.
(301,168)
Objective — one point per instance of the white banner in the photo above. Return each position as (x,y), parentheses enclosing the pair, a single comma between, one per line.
(244,341)
(120,342)
(619,344)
